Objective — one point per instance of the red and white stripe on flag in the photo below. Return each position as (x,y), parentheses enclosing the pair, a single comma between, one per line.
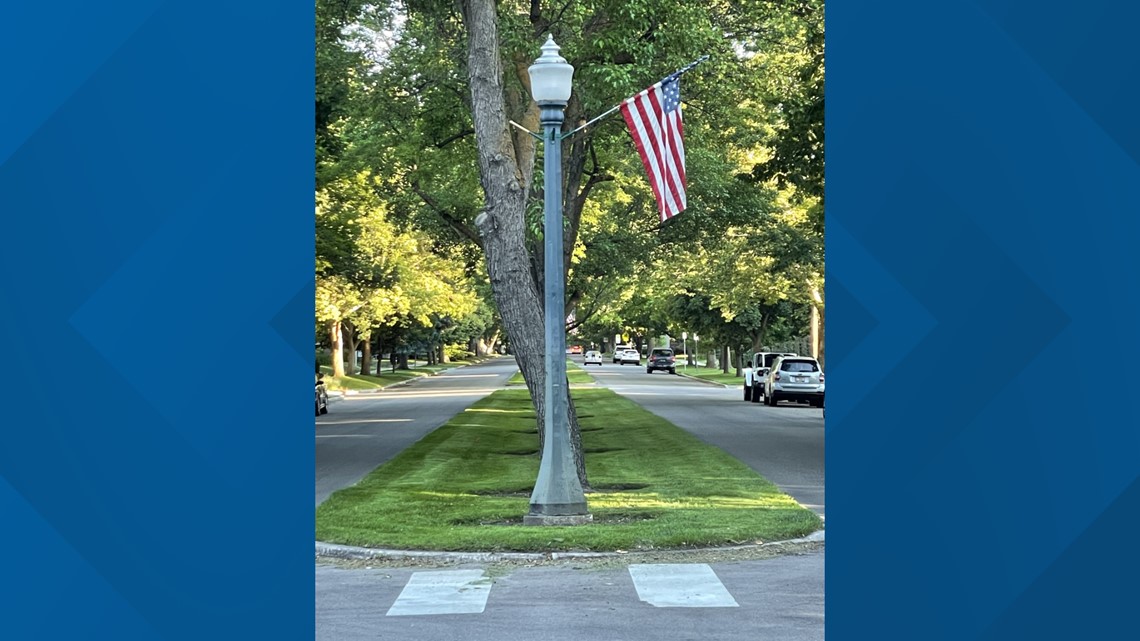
(654,120)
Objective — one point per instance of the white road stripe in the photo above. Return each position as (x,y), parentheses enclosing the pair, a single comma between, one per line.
(444,592)
(680,585)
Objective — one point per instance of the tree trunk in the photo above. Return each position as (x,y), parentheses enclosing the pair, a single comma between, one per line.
(443,354)
(724,362)
(366,366)
(817,325)
(336,337)
(505,171)
(350,342)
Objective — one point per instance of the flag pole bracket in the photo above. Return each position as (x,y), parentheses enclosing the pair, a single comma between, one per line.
(676,74)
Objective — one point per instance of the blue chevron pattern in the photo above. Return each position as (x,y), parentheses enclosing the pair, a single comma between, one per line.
(985,158)
(156,191)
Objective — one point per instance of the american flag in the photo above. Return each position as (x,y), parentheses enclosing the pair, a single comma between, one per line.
(654,119)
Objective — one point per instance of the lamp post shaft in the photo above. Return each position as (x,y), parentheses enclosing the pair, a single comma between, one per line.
(558,497)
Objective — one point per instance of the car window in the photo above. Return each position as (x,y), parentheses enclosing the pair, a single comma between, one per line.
(662,352)
(799,366)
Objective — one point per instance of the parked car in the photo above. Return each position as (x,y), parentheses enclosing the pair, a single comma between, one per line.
(661,358)
(764,360)
(759,375)
(618,349)
(630,356)
(794,378)
(322,396)
(594,357)
(575,349)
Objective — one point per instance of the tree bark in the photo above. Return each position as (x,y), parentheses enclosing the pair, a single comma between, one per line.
(337,340)
(349,338)
(366,340)
(502,224)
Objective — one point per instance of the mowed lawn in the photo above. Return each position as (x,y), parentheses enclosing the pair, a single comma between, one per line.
(466,486)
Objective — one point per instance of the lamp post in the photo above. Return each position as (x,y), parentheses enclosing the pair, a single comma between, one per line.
(697,349)
(558,498)
(685,345)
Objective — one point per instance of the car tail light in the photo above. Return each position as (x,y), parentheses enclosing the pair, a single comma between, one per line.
(821,377)
(672,359)
(777,376)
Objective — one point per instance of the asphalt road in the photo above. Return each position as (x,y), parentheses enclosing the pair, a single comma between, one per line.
(784,444)
(779,598)
(362,431)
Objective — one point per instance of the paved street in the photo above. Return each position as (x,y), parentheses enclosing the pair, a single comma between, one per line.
(774,598)
(784,444)
(362,431)
(779,598)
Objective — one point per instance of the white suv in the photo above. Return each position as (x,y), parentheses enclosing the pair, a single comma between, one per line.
(794,378)
(630,356)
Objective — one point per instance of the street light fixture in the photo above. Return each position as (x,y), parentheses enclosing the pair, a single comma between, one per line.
(558,498)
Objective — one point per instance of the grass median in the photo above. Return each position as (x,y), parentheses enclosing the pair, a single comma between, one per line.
(714,374)
(575,375)
(466,486)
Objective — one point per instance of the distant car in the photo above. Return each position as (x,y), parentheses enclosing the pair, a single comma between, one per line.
(594,357)
(630,356)
(794,378)
(575,349)
(322,397)
(618,349)
(661,358)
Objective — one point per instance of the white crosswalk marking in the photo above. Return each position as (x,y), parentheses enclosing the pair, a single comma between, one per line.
(444,592)
(680,585)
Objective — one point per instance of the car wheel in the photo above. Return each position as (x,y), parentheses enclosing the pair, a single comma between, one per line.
(672,371)
(648,370)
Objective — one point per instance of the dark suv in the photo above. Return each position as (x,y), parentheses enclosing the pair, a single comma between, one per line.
(661,358)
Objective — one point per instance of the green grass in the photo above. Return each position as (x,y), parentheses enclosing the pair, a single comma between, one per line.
(712,374)
(386,376)
(574,374)
(466,486)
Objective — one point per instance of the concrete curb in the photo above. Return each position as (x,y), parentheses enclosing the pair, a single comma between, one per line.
(358,553)
(379,390)
(706,381)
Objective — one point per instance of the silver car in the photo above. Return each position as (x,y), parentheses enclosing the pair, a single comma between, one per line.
(630,356)
(794,378)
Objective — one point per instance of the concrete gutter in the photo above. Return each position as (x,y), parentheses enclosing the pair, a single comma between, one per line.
(326,550)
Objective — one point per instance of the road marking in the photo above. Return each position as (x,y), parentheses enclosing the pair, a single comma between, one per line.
(444,592)
(680,585)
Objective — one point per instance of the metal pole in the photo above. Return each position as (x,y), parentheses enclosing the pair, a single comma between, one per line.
(558,498)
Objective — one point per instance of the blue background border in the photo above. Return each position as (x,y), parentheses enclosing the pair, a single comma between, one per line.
(156,175)
(981,236)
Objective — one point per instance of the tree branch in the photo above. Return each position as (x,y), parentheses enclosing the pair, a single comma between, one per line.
(458,225)
(450,139)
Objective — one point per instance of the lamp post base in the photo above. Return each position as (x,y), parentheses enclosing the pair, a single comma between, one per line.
(571,519)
